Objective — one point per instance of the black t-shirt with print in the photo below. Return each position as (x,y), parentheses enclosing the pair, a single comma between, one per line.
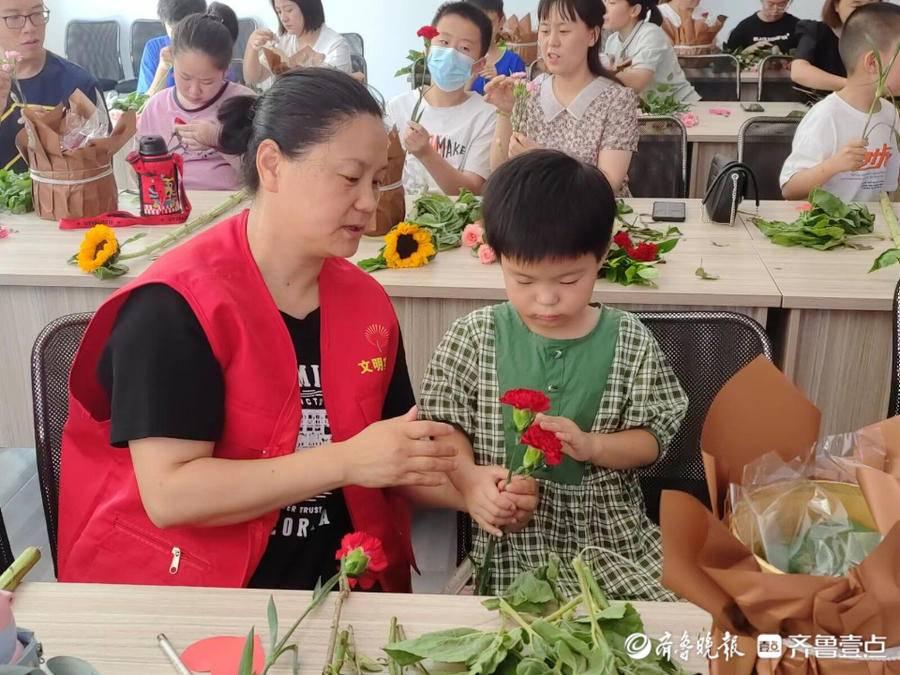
(164,382)
(781,33)
(819,45)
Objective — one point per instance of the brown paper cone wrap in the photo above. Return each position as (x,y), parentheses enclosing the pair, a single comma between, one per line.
(759,411)
(392,204)
(40,145)
(522,38)
(275,60)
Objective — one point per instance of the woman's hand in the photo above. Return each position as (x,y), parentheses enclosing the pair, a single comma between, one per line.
(577,444)
(524,493)
(499,93)
(166,60)
(260,38)
(400,451)
(199,135)
(416,139)
(520,144)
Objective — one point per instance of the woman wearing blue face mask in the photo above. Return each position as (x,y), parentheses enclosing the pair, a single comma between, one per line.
(449,147)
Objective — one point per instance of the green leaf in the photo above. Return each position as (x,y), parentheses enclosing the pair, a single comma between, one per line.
(886,259)
(533,666)
(110,271)
(490,660)
(457,645)
(373,264)
(706,276)
(666,246)
(246,663)
(648,272)
(273,624)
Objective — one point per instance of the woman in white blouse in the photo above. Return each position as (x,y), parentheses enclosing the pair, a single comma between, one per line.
(640,51)
(301,25)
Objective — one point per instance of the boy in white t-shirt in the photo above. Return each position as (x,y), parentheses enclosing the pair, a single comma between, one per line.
(836,146)
(449,148)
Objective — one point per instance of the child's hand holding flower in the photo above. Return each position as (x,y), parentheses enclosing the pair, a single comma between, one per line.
(524,493)
(499,93)
(416,140)
(488,506)
(577,444)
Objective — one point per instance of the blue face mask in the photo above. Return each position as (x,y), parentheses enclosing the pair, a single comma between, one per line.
(450,69)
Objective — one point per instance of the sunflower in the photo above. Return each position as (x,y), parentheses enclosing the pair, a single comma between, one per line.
(98,247)
(408,245)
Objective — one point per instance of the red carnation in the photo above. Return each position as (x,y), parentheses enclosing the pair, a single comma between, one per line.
(545,441)
(362,558)
(623,240)
(428,33)
(645,252)
(526,399)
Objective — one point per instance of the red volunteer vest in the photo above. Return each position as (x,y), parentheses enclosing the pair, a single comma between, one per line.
(105,536)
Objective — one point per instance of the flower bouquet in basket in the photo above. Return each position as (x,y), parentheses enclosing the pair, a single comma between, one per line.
(803,537)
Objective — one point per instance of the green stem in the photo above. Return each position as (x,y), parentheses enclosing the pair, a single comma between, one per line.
(565,609)
(190,227)
(393,667)
(340,654)
(888,211)
(485,573)
(507,610)
(588,598)
(336,619)
(401,633)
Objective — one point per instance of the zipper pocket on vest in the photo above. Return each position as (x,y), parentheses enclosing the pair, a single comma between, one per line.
(176,554)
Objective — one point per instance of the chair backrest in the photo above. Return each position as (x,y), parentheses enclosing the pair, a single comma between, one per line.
(764,143)
(716,77)
(705,349)
(894,404)
(142,31)
(357,44)
(359,65)
(775,81)
(6,554)
(94,45)
(246,26)
(659,168)
(51,361)
(236,71)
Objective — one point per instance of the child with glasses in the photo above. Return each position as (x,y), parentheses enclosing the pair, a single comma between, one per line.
(772,23)
(35,75)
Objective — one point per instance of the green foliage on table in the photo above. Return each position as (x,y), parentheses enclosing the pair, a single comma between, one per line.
(661,100)
(892,255)
(444,217)
(133,101)
(831,548)
(15,192)
(829,223)
(544,635)
(750,57)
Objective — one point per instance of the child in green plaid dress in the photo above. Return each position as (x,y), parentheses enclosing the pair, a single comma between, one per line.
(615,402)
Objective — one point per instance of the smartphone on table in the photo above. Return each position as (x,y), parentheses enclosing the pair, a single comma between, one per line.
(668,212)
(752,108)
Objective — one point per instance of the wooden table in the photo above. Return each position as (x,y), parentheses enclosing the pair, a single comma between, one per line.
(37,286)
(834,332)
(115,627)
(717,134)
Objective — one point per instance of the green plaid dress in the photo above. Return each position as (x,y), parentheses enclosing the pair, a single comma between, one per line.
(607,509)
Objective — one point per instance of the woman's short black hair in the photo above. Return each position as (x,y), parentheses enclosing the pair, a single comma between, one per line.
(171,12)
(544,205)
(313,15)
(302,109)
(470,13)
(495,6)
(206,33)
(590,12)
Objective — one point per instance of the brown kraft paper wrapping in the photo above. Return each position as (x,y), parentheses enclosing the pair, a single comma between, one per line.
(759,411)
(392,202)
(40,145)
(522,38)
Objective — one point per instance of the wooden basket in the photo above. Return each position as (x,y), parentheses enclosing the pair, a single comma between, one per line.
(743,521)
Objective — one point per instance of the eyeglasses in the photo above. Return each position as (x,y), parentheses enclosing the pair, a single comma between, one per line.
(17,21)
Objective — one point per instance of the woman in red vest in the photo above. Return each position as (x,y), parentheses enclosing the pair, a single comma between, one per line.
(248,372)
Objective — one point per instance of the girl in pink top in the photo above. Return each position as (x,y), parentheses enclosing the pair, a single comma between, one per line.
(186,114)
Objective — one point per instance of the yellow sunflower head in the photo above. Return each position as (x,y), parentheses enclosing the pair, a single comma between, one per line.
(97,247)
(408,245)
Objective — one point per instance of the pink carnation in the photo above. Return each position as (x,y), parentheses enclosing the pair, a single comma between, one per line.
(689,119)
(473,235)
(6,67)
(4,232)
(486,254)
(723,112)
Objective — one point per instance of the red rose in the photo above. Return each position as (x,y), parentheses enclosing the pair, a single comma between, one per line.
(362,558)
(545,441)
(526,399)
(428,33)
(623,240)
(646,252)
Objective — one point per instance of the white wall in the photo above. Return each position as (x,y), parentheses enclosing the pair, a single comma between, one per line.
(388,26)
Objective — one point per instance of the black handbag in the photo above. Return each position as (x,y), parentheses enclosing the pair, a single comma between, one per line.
(727,190)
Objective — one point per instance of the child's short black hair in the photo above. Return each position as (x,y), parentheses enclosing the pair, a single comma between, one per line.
(471,13)
(874,26)
(545,204)
(486,6)
(171,12)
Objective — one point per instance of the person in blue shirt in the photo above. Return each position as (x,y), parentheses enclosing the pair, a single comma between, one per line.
(499,60)
(156,61)
(39,78)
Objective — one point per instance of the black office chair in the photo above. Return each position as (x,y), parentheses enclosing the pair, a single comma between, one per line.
(716,77)
(778,88)
(94,45)
(764,143)
(141,32)
(246,26)
(705,349)
(51,361)
(659,168)
(358,65)
(6,554)
(236,71)
(357,44)
(894,404)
